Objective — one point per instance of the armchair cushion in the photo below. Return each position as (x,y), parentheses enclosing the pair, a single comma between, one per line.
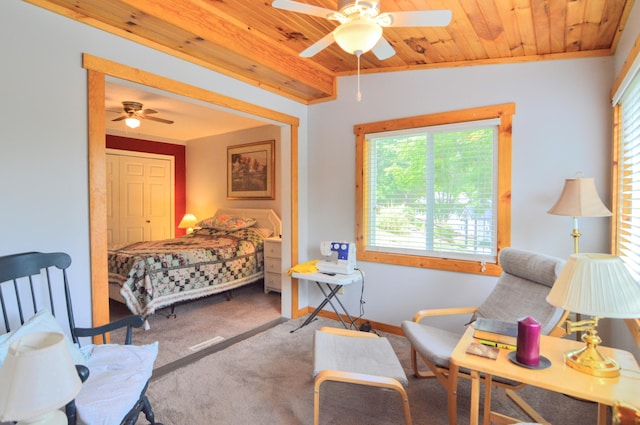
(107,395)
(435,344)
(369,356)
(525,276)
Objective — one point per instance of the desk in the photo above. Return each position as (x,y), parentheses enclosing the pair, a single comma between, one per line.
(558,377)
(332,283)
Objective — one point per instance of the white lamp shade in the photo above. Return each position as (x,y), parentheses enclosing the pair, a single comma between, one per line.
(357,35)
(596,285)
(188,221)
(38,376)
(132,122)
(580,198)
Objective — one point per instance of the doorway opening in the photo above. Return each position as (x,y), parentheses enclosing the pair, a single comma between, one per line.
(97,70)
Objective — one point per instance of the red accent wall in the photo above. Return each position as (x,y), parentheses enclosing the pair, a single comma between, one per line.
(179,154)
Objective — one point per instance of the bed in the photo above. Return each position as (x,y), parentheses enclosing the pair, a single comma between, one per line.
(226,253)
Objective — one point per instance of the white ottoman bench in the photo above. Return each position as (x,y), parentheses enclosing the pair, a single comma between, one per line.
(359,358)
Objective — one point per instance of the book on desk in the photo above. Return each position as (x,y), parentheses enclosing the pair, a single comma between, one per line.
(496,333)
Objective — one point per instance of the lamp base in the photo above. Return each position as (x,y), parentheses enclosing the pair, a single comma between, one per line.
(56,417)
(591,361)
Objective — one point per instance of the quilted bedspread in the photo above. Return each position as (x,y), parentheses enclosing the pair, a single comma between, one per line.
(157,274)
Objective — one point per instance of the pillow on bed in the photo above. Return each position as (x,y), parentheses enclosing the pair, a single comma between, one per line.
(227,222)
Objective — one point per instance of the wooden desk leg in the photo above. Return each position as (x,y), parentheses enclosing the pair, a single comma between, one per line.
(475,397)
(452,401)
(487,399)
(602,414)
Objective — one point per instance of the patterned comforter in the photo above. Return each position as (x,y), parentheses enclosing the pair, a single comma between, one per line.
(157,274)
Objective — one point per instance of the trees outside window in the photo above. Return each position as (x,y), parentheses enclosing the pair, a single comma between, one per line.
(434,191)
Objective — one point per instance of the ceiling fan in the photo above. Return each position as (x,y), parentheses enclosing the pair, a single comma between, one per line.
(133,113)
(361,24)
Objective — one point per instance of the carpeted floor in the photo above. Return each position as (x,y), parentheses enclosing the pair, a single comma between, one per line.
(266,379)
(204,322)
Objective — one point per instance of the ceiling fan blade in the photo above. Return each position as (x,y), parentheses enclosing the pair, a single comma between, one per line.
(149,111)
(307,9)
(120,118)
(419,18)
(319,45)
(383,49)
(162,120)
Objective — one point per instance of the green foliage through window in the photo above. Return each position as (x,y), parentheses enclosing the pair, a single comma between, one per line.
(433,190)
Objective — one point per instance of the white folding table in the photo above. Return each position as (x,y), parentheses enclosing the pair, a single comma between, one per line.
(332,284)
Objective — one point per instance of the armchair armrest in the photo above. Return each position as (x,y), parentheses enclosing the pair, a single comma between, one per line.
(130,322)
(70,408)
(450,311)
(83,372)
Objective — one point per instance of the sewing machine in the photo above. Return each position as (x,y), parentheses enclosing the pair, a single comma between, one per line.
(342,263)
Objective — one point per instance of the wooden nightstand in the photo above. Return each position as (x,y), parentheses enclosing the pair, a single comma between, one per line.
(272,264)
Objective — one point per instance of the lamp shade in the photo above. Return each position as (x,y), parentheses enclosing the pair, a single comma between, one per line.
(580,198)
(37,377)
(357,35)
(596,285)
(188,221)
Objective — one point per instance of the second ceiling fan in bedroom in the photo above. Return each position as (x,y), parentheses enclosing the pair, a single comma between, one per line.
(133,113)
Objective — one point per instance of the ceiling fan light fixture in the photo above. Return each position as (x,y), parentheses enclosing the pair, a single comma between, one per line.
(132,122)
(357,35)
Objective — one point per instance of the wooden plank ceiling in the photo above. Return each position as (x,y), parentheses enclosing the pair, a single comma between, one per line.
(254,42)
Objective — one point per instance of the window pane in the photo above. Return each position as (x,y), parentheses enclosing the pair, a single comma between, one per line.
(432,192)
(628,205)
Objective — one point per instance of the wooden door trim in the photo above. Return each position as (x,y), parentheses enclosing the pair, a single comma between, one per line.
(97,70)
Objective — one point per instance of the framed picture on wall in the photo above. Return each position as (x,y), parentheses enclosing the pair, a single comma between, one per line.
(250,170)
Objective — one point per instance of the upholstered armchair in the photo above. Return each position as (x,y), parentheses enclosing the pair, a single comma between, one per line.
(520,291)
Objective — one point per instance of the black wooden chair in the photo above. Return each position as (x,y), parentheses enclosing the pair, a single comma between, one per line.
(34,289)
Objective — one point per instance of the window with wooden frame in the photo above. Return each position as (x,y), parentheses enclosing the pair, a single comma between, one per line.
(626,164)
(434,191)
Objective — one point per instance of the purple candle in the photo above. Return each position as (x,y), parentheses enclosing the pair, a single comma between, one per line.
(528,341)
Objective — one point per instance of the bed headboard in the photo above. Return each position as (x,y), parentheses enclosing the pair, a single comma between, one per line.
(264,217)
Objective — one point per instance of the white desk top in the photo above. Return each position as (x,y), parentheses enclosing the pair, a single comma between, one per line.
(336,279)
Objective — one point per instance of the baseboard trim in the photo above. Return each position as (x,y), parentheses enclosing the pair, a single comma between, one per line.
(378,326)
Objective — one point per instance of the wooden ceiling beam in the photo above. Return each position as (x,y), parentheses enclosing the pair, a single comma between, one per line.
(254,42)
(228,33)
(188,30)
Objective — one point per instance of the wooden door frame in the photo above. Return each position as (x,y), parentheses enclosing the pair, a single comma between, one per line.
(97,70)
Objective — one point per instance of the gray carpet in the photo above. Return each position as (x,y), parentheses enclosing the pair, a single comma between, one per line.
(212,320)
(266,379)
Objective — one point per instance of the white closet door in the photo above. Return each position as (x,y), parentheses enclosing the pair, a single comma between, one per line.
(145,199)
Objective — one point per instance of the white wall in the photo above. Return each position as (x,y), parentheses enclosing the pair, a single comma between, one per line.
(43,131)
(561,126)
(207,171)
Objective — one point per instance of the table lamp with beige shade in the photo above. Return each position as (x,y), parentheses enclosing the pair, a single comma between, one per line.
(188,222)
(37,378)
(600,286)
(579,198)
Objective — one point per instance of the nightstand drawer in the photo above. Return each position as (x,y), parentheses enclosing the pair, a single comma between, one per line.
(272,282)
(272,266)
(272,249)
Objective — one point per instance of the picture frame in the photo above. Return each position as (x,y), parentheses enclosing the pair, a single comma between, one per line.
(251,170)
